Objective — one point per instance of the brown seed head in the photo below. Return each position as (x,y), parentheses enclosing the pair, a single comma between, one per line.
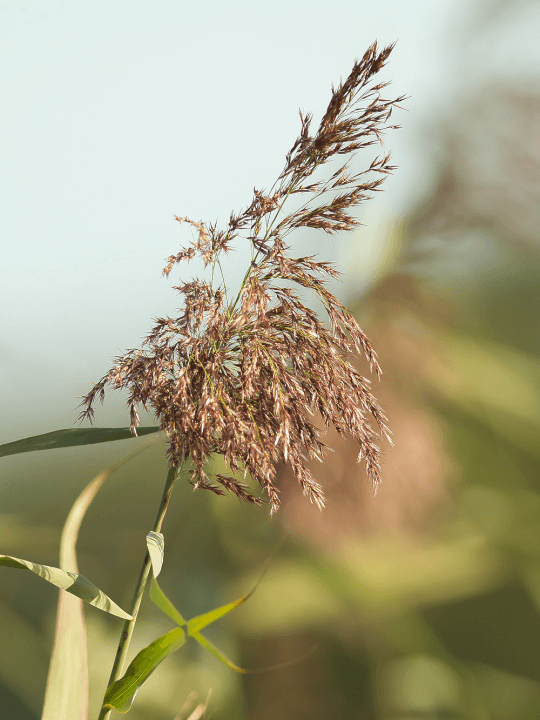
(242,379)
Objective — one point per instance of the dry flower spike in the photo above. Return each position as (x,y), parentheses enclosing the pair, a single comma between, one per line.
(242,378)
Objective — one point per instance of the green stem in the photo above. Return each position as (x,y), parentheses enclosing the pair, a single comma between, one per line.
(129,625)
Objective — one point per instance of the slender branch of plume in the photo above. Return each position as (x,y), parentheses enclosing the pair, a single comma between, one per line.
(242,378)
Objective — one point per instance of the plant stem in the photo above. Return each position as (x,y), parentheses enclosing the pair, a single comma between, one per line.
(129,625)
(266,235)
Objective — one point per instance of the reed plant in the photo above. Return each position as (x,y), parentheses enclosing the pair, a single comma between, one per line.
(244,375)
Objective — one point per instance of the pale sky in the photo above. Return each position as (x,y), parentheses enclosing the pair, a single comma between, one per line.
(118,115)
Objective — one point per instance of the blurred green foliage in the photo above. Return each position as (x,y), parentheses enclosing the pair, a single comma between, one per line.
(443,625)
(438,623)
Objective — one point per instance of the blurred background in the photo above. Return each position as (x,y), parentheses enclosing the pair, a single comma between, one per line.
(419,603)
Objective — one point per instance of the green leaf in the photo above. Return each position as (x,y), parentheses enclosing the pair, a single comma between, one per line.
(72,582)
(193,626)
(66,693)
(71,437)
(202,621)
(156,549)
(158,597)
(217,653)
(121,693)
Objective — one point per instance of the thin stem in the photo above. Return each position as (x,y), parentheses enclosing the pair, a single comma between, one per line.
(129,625)
(266,235)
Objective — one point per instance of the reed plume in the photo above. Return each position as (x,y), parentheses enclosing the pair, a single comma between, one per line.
(244,378)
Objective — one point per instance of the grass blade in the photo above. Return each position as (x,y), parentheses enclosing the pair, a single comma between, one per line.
(70,581)
(201,621)
(71,437)
(158,597)
(121,693)
(217,653)
(156,549)
(66,693)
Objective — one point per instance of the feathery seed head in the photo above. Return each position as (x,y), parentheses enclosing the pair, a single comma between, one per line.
(242,378)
